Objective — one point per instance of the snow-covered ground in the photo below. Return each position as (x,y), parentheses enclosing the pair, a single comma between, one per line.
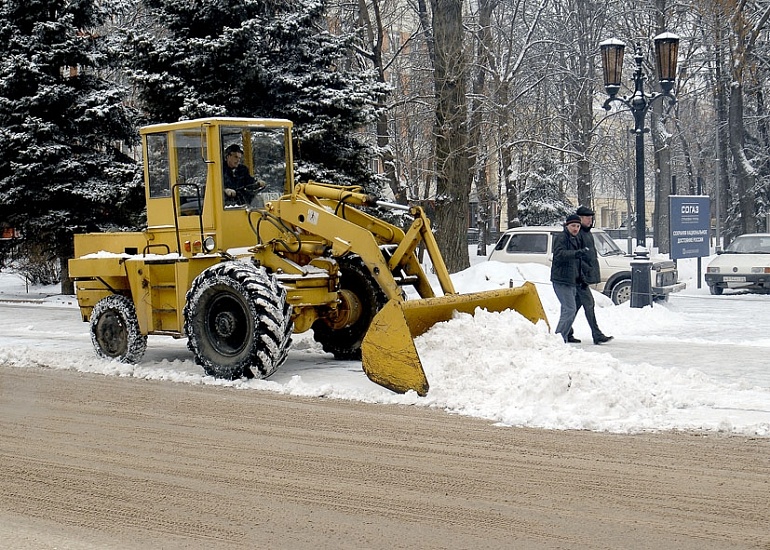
(695,363)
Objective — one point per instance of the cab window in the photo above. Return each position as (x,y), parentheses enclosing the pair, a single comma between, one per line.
(158,171)
(262,174)
(190,170)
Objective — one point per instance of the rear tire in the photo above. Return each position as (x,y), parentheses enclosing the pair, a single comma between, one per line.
(237,321)
(621,292)
(115,330)
(345,343)
(716,290)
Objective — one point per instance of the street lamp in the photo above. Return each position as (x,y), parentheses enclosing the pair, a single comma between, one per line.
(666,48)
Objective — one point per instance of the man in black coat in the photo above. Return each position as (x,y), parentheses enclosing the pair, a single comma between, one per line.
(590,275)
(566,272)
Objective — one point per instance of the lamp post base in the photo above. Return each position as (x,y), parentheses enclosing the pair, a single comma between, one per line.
(641,287)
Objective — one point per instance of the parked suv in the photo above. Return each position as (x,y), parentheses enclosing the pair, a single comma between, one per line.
(535,245)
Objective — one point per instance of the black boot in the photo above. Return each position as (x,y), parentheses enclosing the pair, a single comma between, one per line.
(571,337)
(601,339)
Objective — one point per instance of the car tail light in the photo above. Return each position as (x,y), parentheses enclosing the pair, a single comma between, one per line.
(712,270)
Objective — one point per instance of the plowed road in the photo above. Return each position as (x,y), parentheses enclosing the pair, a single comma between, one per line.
(89,461)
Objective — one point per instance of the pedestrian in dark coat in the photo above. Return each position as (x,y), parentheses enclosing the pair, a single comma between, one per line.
(590,275)
(566,272)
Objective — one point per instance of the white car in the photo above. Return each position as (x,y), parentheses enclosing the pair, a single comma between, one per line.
(535,245)
(744,264)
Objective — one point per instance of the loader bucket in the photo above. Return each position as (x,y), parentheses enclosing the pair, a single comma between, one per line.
(388,353)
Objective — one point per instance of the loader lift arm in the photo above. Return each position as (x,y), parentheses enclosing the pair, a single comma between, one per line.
(389,356)
(403,256)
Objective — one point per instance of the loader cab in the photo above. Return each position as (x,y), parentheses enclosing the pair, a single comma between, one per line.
(184,168)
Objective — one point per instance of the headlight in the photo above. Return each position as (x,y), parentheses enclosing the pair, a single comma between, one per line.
(209,244)
(760,269)
(712,270)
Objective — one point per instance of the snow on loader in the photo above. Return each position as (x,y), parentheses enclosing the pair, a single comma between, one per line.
(236,265)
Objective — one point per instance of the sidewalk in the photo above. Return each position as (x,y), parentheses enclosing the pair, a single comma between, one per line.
(14,288)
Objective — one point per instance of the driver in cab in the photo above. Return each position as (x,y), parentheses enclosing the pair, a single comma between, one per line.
(239,185)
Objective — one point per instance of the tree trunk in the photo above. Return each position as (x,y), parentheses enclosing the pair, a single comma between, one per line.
(67,284)
(507,183)
(662,154)
(477,157)
(687,154)
(661,222)
(582,91)
(453,178)
(745,173)
(722,150)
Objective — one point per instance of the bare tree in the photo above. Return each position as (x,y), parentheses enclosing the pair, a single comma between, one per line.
(374,32)
(581,25)
(517,75)
(746,22)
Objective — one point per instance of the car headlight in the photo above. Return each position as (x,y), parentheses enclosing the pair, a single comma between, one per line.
(208,244)
(760,269)
(712,270)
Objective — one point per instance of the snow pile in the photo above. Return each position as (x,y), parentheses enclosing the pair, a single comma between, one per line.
(520,374)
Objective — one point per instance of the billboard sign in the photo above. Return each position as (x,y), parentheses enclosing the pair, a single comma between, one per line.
(690,225)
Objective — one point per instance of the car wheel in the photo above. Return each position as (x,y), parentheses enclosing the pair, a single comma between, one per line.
(621,292)
(715,290)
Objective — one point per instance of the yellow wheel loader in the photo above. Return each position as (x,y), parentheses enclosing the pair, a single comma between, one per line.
(236,259)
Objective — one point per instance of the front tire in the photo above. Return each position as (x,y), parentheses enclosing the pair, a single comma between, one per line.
(115,331)
(237,321)
(621,292)
(367,297)
(716,290)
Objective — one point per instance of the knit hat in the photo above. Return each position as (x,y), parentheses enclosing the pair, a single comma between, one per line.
(572,218)
(584,211)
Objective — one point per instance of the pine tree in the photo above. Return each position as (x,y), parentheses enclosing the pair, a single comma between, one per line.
(260,58)
(543,202)
(61,126)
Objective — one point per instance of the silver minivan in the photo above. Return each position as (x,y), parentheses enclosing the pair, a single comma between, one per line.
(535,245)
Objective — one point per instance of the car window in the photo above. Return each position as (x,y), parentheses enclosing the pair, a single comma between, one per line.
(749,245)
(501,243)
(605,246)
(528,243)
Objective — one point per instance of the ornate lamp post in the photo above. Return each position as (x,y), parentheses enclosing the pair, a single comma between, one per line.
(666,48)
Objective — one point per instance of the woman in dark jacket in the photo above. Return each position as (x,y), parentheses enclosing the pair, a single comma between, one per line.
(566,272)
